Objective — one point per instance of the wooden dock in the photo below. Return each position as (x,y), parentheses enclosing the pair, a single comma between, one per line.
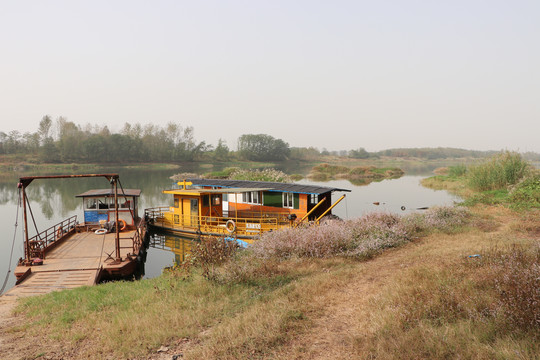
(82,258)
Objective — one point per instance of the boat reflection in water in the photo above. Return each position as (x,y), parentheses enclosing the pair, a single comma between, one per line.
(168,244)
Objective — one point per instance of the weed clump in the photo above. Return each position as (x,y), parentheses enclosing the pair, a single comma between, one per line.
(526,193)
(501,171)
(457,171)
(211,252)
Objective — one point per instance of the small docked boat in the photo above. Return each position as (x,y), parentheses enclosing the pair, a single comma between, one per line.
(107,244)
(239,208)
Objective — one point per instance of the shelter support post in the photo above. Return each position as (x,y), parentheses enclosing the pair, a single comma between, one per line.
(330,208)
(310,212)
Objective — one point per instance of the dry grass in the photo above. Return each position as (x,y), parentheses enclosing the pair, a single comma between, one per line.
(484,308)
(424,300)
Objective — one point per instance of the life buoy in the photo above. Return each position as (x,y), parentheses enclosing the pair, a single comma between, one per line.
(100,231)
(59,233)
(124,224)
(230,226)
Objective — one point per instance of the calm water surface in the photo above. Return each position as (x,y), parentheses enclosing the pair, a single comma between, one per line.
(54,200)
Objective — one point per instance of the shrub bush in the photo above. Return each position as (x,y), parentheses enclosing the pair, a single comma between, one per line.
(526,193)
(502,170)
(210,252)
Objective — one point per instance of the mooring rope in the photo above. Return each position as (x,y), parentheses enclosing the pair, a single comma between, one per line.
(12,245)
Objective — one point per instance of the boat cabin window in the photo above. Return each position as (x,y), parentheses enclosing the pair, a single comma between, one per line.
(313,199)
(214,198)
(105,203)
(123,203)
(91,203)
(288,200)
(252,197)
(176,202)
(99,203)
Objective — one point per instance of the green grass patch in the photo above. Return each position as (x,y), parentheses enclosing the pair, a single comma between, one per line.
(505,179)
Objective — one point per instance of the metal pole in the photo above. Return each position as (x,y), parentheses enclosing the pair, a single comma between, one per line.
(117,240)
(330,208)
(27,243)
(310,211)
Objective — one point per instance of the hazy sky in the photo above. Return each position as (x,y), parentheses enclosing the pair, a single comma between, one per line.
(329,74)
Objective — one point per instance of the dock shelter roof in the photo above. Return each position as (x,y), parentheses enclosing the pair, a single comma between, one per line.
(110,192)
(269,186)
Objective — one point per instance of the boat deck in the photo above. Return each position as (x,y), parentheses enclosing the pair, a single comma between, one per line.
(77,261)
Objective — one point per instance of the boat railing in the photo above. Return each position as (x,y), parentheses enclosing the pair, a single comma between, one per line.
(155,213)
(39,243)
(254,223)
(136,240)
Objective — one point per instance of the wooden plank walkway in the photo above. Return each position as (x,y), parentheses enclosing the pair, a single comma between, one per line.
(74,262)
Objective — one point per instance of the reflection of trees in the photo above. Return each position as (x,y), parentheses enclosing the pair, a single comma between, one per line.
(56,197)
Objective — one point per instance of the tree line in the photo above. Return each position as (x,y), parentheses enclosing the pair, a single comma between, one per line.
(63,141)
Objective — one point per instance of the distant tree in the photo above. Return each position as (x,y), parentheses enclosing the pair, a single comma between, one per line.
(361,153)
(12,142)
(49,153)
(221,153)
(44,128)
(302,153)
(261,147)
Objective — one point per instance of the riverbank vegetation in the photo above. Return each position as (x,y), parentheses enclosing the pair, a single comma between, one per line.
(505,179)
(450,282)
(359,175)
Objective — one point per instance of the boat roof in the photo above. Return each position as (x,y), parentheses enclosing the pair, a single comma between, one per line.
(110,192)
(197,192)
(266,185)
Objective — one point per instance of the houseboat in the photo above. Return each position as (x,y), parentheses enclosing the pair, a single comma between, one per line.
(107,244)
(239,208)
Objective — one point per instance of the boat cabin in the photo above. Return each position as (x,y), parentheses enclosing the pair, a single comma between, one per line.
(251,198)
(244,209)
(98,206)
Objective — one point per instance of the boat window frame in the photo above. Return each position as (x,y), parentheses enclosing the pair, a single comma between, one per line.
(252,197)
(288,200)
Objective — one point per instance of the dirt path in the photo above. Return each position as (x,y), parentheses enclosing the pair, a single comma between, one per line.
(333,335)
(10,343)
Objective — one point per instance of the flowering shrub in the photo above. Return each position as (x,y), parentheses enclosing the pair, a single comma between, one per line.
(328,239)
(446,218)
(361,238)
(377,231)
(271,175)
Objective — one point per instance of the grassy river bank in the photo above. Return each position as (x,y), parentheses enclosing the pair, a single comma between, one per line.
(452,282)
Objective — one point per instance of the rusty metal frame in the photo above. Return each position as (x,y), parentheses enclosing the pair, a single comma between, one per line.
(25,181)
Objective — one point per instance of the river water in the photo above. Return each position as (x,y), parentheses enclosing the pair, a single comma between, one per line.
(52,201)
